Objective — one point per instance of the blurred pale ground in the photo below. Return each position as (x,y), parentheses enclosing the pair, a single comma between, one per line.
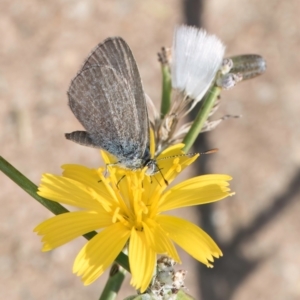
(42,45)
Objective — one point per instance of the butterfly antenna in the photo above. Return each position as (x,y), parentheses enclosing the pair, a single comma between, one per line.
(214,150)
(211,151)
(155,179)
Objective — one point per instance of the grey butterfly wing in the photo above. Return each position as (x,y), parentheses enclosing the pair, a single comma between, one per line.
(103,101)
(116,56)
(114,52)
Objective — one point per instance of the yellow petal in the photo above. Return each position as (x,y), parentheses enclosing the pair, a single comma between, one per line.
(203,180)
(195,191)
(191,238)
(159,241)
(171,151)
(88,177)
(81,174)
(171,162)
(70,192)
(142,260)
(152,143)
(63,228)
(100,252)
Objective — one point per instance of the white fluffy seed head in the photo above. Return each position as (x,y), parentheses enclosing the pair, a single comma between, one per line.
(196,58)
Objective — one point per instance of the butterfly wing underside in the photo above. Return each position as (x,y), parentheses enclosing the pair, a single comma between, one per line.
(107,98)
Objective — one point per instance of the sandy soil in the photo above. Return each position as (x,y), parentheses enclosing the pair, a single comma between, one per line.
(42,46)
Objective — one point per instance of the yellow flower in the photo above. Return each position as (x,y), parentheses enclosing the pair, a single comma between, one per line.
(126,208)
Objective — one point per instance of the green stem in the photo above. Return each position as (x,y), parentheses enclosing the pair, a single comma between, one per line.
(201,117)
(166,90)
(29,187)
(114,282)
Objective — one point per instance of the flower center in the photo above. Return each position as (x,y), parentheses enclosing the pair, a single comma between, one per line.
(130,208)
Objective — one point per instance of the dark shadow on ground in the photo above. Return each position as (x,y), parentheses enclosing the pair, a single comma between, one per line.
(231,270)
